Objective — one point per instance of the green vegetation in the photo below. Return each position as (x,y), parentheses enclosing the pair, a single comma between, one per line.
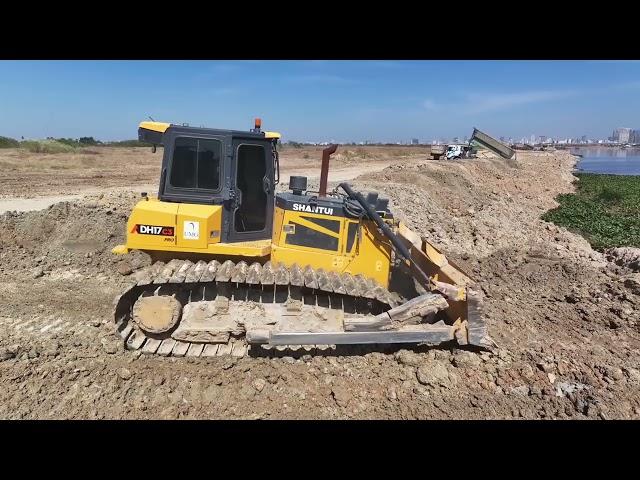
(65,141)
(66,145)
(79,142)
(129,143)
(92,142)
(46,146)
(6,142)
(605,210)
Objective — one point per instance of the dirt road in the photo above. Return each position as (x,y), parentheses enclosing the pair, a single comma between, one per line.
(565,319)
(29,179)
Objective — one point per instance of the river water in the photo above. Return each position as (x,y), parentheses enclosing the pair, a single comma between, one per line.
(617,161)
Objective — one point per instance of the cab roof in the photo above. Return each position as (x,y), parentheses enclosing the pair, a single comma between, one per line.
(161,127)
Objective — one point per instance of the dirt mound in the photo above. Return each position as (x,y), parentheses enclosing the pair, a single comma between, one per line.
(69,234)
(625,256)
(483,205)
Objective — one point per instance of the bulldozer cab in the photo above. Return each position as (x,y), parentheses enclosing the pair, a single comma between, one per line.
(235,169)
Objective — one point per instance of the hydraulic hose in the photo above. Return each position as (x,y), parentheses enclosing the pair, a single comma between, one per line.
(373,215)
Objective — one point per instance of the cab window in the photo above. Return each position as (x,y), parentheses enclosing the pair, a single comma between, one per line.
(196,163)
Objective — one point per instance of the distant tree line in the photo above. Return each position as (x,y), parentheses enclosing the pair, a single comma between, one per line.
(7,142)
(92,142)
(79,142)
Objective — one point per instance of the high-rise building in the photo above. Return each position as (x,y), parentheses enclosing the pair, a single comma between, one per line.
(621,135)
(533,139)
(414,141)
(635,136)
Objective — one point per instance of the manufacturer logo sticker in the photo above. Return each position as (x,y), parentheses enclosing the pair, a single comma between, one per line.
(191,230)
(299,207)
(153,230)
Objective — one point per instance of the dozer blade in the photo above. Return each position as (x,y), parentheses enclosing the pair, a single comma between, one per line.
(462,295)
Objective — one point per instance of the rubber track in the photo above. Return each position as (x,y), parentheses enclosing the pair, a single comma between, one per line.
(184,277)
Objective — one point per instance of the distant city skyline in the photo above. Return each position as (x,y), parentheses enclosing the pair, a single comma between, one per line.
(620,135)
(384,101)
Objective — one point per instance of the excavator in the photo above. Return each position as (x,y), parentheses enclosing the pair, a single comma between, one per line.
(239,268)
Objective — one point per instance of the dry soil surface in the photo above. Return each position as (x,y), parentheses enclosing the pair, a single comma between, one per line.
(565,318)
(32,181)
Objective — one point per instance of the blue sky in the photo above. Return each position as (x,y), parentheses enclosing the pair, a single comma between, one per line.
(321,100)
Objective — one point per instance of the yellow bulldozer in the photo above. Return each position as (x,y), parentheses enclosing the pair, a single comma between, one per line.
(237,267)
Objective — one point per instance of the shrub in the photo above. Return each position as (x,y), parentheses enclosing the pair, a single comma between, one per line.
(6,142)
(46,146)
(66,141)
(129,143)
(88,141)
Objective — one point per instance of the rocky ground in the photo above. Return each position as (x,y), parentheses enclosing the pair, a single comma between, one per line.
(565,318)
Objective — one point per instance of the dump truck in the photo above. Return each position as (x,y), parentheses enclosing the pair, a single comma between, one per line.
(238,268)
(478,140)
(455,152)
(437,151)
(451,152)
(482,140)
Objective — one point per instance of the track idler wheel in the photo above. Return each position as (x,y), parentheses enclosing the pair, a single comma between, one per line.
(157,314)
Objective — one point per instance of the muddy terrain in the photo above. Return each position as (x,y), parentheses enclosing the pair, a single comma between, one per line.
(565,318)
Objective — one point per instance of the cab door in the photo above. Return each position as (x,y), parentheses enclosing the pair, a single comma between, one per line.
(250,211)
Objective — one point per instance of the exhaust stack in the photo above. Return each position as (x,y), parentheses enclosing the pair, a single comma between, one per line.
(324,171)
